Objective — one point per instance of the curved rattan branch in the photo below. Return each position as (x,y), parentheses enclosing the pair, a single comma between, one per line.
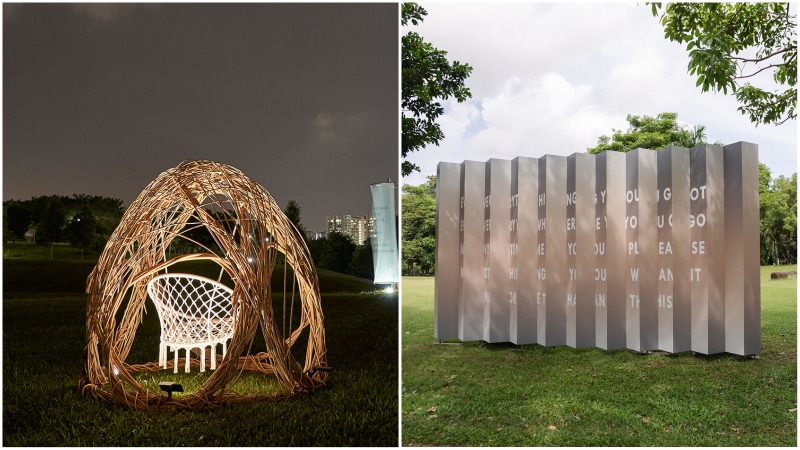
(249,231)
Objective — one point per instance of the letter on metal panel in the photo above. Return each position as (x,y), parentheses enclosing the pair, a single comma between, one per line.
(555,249)
(674,310)
(706,274)
(642,315)
(524,239)
(497,239)
(541,269)
(580,228)
(616,248)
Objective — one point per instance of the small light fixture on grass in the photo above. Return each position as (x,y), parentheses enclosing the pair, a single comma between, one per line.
(389,290)
(169,387)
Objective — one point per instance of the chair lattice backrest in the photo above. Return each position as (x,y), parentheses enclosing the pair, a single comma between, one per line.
(194,311)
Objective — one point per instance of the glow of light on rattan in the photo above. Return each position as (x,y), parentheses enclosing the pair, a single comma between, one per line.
(234,210)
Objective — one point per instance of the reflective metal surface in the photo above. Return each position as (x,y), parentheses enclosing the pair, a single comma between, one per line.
(642,250)
(497,235)
(522,248)
(742,281)
(674,308)
(580,227)
(445,306)
(470,293)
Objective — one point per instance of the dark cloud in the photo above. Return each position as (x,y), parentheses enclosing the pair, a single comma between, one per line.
(303,98)
(108,12)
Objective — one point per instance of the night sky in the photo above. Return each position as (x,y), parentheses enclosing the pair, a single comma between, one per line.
(303,98)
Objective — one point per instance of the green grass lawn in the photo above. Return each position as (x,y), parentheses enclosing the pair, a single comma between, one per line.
(43,338)
(497,395)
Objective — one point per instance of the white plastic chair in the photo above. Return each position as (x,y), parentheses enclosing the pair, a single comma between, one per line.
(195,312)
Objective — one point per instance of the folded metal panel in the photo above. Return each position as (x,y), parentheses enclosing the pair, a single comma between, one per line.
(497,237)
(742,272)
(445,305)
(707,251)
(522,249)
(471,288)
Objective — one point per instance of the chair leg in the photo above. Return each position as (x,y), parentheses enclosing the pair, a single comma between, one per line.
(176,360)
(203,359)
(214,357)
(186,366)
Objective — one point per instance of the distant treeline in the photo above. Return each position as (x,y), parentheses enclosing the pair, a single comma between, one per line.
(778,222)
(778,214)
(338,252)
(85,221)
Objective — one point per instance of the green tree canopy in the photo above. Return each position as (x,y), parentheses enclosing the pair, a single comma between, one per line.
(18,220)
(419,228)
(82,230)
(427,78)
(730,43)
(337,252)
(361,264)
(650,132)
(778,209)
(106,212)
(51,223)
(292,212)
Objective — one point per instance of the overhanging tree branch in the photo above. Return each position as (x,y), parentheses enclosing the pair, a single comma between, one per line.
(716,32)
(755,60)
(428,78)
(739,77)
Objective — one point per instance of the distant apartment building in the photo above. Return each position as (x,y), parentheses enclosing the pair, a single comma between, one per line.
(359,228)
(315,234)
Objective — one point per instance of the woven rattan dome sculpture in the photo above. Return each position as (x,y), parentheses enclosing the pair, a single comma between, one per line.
(250,232)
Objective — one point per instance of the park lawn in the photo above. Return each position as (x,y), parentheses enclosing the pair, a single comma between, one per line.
(43,339)
(61,251)
(459,394)
(69,275)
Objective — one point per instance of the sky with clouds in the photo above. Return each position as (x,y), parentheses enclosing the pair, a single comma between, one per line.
(101,98)
(551,78)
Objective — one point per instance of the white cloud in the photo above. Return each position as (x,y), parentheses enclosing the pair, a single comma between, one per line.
(108,12)
(545,115)
(334,128)
(552,78)
(459,118)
